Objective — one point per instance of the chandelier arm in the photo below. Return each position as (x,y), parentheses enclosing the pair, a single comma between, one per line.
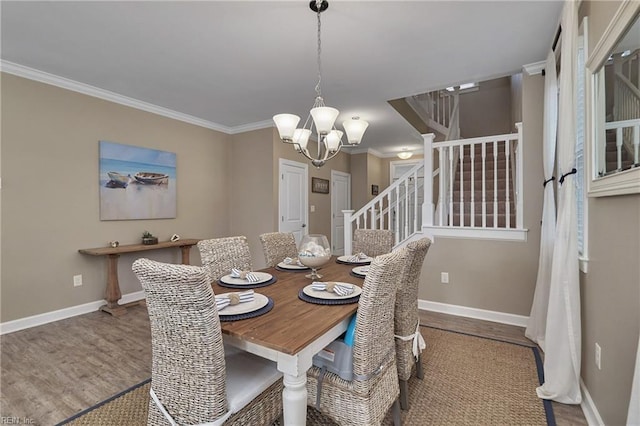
(337,151)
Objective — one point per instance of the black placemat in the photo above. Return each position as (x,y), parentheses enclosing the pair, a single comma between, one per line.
(248,286)
(310,299)
(355,274)
(261,311)
(292,270)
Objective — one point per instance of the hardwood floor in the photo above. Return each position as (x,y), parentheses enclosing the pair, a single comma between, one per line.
(53,371)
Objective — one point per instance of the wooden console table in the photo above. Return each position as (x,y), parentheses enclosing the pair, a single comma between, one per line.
(112,293)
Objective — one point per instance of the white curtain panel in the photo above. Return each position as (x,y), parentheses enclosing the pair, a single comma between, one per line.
(563,331)
(536,326)
(633,416)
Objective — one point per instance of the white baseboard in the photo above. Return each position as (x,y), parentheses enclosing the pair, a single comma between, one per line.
(589,407)
(465,311)
(47,317)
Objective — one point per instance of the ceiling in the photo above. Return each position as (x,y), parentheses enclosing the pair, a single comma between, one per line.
(235,64)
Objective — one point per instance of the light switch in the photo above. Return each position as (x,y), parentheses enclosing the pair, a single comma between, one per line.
(313,208)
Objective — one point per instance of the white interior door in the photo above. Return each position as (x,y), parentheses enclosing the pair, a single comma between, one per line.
(293,195)
(340,200)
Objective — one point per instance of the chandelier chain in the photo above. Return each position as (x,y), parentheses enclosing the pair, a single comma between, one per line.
(318,89)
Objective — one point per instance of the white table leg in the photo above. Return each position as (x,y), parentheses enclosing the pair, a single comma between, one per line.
(294,399)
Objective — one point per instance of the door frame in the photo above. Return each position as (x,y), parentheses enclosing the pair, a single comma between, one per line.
(305,166)
(333,199)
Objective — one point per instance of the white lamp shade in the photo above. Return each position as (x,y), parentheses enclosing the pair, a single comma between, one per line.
(323,118)
(333,140)
(405,155)
(355,129)
(286,124)
(301,137)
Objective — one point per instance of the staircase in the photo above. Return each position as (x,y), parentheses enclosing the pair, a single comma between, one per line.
(485,188)
(464,181)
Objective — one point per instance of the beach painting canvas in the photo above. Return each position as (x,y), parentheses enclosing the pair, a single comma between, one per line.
(136,183)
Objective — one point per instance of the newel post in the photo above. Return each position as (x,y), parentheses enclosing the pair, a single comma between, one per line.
(520,179)
(427,205)
(348,231)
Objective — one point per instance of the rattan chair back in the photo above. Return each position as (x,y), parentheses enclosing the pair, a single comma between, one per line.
(366,399)
(188,368)
(372,242)
(406,317)
(277,246)
(219,255)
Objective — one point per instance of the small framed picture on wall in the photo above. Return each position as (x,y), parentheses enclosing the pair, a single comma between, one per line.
(374,190)
(319,185)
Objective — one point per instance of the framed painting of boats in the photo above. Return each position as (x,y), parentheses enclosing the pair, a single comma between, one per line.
(136,182)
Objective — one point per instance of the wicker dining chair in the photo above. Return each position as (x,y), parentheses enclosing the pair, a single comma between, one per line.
(366,399)
(191,379)
(277,246)
(219,255)
(406,319)
(372,242)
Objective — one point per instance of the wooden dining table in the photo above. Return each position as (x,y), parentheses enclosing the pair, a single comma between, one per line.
(293,331)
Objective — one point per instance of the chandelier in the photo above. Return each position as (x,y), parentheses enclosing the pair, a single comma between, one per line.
(321,118)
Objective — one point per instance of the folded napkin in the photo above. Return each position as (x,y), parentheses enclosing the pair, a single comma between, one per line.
(292,261)
(358,256)
(244,275)
(340,289)
(233,299)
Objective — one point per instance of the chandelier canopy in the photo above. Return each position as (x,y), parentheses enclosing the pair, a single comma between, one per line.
(321,118)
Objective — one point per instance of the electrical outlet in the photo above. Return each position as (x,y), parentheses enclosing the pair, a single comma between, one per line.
(598,357)
(77,280)
(444,277)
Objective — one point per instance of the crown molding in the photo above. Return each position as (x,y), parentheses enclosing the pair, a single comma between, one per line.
(364,151)
(251,126)
(85,89)
(534,68)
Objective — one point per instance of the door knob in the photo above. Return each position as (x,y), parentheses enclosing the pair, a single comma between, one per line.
(304,225)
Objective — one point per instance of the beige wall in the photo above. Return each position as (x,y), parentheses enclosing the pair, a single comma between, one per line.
(251,210)
(227,185)
(359,181)
(493,99)
(611,303)
(610,291)
(375,173)
(50,192)
(494,275)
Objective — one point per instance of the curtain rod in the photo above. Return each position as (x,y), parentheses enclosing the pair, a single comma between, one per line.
(555,42)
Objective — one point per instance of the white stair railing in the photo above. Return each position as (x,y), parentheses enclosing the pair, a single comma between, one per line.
(493,198)
(488,203)
(398,208)
(627,134)
(438,110)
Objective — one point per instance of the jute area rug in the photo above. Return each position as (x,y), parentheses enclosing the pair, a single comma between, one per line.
(468,380)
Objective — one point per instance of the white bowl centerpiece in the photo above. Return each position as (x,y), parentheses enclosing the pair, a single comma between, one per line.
(314,252)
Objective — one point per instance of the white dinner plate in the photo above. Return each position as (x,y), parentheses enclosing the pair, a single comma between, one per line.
(361,270)
(263,277)
(347,259)
(292,266)
(321,294)
(259,301)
